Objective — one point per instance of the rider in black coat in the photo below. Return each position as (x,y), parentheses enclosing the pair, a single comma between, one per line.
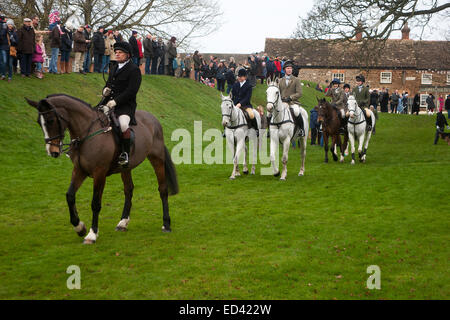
(121,89)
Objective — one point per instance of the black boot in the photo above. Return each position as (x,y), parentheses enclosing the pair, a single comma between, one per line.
(268,125)
(125,142)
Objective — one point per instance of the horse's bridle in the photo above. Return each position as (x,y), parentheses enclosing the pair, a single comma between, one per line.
(60,128)
(275,104)
(357,115)
(231,114)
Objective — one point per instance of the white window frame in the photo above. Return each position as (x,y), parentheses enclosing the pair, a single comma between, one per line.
(339,75)
(423,100)
(425,80)
(385,77)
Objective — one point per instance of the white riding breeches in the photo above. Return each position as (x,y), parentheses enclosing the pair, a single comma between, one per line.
(124,121)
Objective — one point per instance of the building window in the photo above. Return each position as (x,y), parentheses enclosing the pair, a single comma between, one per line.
(339,76)
(386,77)
(427,78)
(423,100)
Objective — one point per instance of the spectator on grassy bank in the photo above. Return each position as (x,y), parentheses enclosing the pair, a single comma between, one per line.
(26,39)
(441,122)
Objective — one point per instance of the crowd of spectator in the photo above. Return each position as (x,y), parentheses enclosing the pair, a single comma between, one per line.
(22,49)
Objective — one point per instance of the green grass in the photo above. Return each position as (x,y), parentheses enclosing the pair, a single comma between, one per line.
(253,238)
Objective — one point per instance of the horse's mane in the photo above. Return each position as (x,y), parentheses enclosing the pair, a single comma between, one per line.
(84,103)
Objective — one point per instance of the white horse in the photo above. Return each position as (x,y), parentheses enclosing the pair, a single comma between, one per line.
(236,130)
(357,129)
(282,128)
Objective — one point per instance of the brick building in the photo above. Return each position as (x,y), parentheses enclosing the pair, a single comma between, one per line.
(405,65)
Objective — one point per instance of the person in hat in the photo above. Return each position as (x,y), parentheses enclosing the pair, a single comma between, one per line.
(362,96)
(338,100)
(26,39)
(120,92)
(291,91)
(242,95)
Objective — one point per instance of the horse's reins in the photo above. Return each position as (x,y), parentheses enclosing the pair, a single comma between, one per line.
(75,142)
(230,117)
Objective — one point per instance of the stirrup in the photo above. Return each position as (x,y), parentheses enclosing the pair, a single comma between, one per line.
(301,132)
(123,159)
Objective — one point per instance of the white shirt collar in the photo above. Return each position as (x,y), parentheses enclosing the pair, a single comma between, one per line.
(242,83)
(121,65)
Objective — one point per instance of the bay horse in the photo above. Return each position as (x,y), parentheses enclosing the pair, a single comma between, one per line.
(357,128)
(236,131)
(282,128)
(329,120)
(94,153)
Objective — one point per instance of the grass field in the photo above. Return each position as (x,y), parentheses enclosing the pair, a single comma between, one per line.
(253,238)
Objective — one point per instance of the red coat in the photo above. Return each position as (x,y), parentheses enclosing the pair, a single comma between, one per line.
(277,65)
(141,55)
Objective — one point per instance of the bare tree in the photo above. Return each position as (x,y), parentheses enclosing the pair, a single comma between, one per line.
(376,19)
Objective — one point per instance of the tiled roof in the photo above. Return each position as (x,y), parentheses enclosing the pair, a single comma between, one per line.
(398,54)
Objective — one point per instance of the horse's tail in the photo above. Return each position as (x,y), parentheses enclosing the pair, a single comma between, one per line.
(171,174)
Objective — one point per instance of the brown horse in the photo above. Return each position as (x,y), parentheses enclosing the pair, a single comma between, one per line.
(329,120)
(94,153)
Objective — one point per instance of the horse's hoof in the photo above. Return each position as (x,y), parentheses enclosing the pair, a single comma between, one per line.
(232,178)
(282,179)
(253,173)
(121,229)
(301,174)
(88,242)
(166,229)
(82,230)
(277,174)
(246,172)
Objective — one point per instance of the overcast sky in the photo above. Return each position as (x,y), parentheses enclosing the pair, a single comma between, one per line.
(247,23)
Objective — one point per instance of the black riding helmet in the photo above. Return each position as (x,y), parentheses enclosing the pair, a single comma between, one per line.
(123,46)
(346,86)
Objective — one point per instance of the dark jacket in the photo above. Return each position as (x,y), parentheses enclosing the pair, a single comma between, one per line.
(66,40)
(87,36)
(125,84)
(13,37)
(242,95)
(394,99)
(55,38)
(171,50)
(26,39)
(79,42)
(99,43)
(220,73)
(441,122)
(313,120)
(430,102)
(197,62)
(4,44)
(231,78)
(134,47)
(447,103)
(374,99)
(148,48)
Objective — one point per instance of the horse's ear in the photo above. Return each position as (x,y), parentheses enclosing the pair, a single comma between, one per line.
(32,103)
(269,81)
(277,81)
(231,95)
(221,95)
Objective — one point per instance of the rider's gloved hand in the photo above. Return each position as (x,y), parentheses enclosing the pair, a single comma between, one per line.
(111,104)
(106,92)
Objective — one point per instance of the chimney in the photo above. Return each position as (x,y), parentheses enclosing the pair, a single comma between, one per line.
(405,32)
(359,30)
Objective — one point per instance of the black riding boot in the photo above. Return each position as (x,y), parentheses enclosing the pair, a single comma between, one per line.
(301,126)
(125,144)
(368,121)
